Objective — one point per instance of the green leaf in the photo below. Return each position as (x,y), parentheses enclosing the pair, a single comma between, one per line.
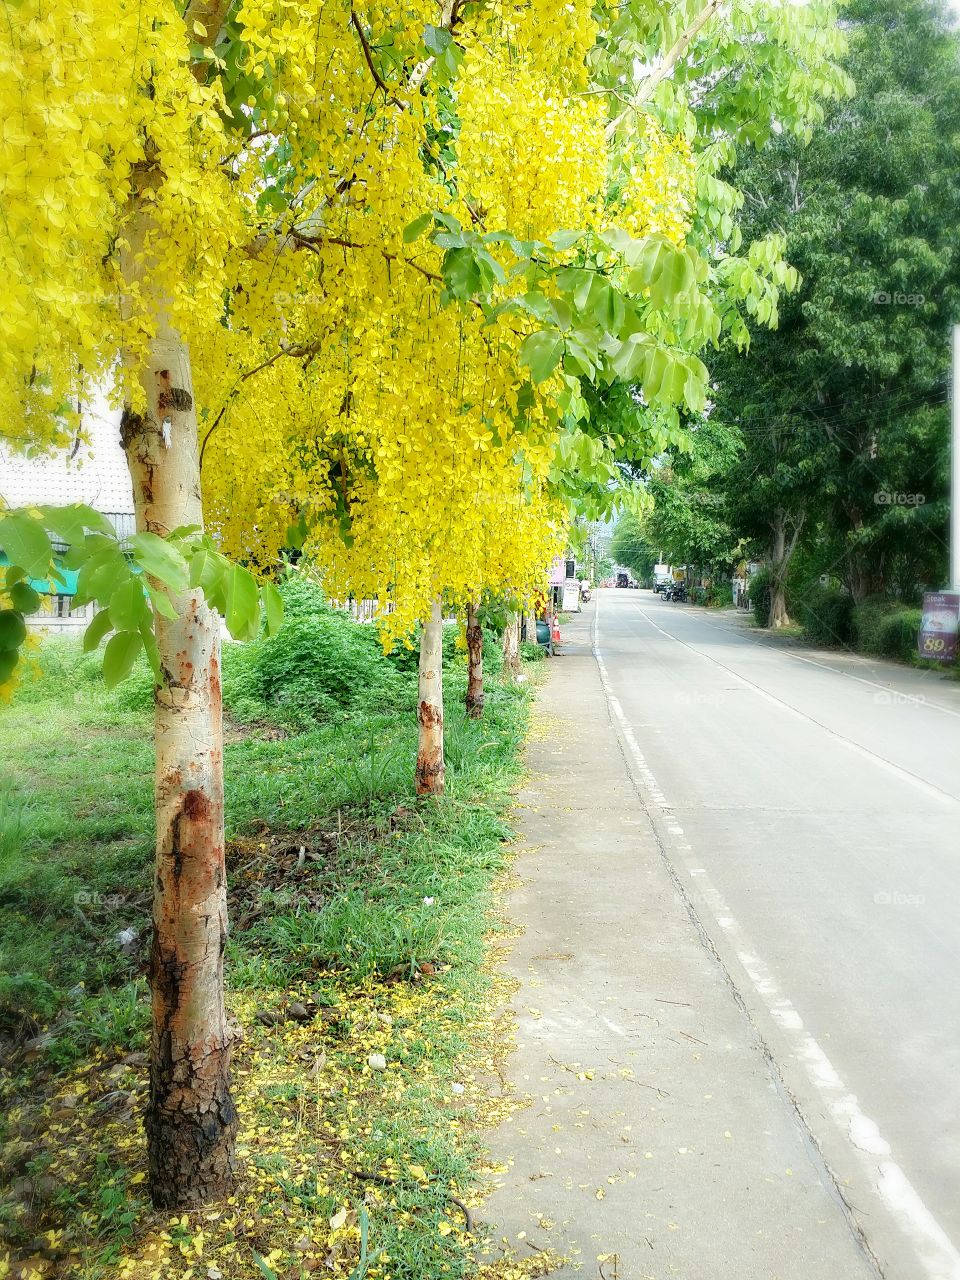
(25,542)
(69,522)
(12,630)
(119,656)
(162,604)
(461,273)
(415,229)
(243,603)
(208,571)
(541,353)
(272,607)
(8,661)
(24,598)
(151,650)
(128,605)
(565,239)
(97,629)
(160,560)
(437,39)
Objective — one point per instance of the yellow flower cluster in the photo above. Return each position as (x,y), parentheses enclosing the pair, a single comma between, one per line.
(330,382)
(406,433)
(659,196)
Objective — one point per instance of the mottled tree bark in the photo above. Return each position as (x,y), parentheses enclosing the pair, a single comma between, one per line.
(530,623)
(474,698)
(511,648)
(781,553)
(190,1117)
(430,763)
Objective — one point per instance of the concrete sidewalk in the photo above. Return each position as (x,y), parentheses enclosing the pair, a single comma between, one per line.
(657,1143)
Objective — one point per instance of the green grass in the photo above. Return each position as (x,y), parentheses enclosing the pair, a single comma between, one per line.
(76,840)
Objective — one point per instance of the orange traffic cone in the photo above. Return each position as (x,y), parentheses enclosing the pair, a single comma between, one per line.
(555,629)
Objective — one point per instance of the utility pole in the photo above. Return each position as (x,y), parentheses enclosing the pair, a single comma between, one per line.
(955,464)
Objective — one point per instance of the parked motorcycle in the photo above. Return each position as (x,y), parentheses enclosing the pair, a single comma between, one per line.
(676,592)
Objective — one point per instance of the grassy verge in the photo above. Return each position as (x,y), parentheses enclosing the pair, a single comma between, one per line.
(368,1057)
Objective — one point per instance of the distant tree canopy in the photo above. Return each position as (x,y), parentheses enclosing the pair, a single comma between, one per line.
(837,420)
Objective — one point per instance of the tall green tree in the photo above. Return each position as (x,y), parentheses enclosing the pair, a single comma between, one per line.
(841,410)
(689,521)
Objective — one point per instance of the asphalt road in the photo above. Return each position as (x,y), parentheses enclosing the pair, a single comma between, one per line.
(808,807)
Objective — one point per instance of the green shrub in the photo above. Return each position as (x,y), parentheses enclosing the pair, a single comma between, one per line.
(322,664)
(826,614)
(868,619)
(530,651)
(898,634)
(699,595)
(760,597)
(720,595)
(302,596)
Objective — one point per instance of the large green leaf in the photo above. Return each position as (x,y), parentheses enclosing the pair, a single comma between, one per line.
(160,560)
(97,629)
(541,353)
(12,629)
(120,655)
(25,542)
(24,598)
(243,603)
(70,522)
(273,607)
(128,605)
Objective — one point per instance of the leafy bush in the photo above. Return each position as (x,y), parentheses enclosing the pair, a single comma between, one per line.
(699,595)
(531,652)
(302,597)
(760,597)
(826,614)
(720,595)
(868,620)
(898,634)
(885,627)
(323,664)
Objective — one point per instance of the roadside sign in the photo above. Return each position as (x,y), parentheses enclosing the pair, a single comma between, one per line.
(939,625)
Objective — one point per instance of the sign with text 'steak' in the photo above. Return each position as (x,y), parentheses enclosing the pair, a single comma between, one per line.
(939,625)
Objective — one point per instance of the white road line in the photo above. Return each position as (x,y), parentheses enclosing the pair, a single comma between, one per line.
(929,788)
(917,699)
(935,1252)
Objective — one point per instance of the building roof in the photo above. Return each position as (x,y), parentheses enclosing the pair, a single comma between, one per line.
(96,475)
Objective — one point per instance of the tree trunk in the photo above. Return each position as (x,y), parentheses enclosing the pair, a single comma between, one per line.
(511,648)
(190,1118)
(474,665)
(430,765)
(531,623)
(779,559)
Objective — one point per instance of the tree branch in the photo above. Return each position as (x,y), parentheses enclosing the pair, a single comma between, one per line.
(368,58)
(671,58)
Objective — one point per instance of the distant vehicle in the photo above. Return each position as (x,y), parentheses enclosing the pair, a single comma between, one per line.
(623,579)
(662,577)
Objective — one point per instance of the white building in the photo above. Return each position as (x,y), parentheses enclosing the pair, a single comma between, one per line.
(94,472)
